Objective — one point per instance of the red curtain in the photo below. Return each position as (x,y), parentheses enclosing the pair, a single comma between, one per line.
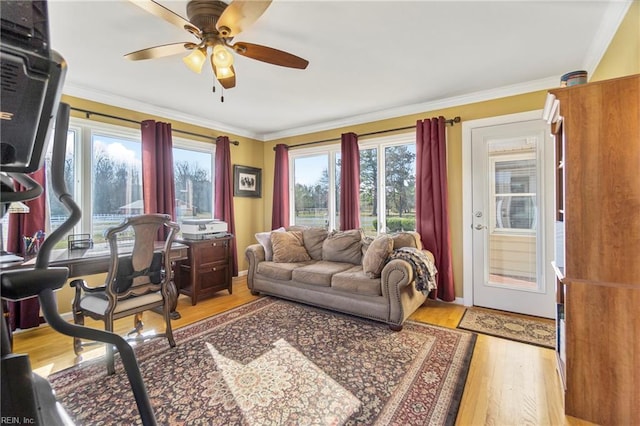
(432,200)
(224,193)
(158,183)
(280,211)
(26,313)
(350,183)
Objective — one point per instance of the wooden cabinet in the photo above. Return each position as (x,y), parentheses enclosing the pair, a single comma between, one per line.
(598,151)
(207,269)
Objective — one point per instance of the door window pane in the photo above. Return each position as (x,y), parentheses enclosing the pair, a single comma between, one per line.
(117,182)
(512,238)
(515,194)
(311,198)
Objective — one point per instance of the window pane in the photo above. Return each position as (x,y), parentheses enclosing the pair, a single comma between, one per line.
(369,191)
(193,172)
(117,182)
(512,240)
(400,181)
(58,213)
(515,187)
(311,179)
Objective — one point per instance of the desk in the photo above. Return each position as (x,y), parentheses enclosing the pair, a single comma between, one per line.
(96,261)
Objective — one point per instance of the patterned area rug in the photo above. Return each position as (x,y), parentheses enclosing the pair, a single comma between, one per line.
(272,362)
(533,330)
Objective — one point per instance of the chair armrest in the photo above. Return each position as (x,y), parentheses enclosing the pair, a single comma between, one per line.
(81,285)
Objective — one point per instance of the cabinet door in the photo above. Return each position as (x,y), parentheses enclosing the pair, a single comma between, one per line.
(213,251)
(214,277)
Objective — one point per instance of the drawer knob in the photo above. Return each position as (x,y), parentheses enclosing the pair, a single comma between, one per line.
(213,269)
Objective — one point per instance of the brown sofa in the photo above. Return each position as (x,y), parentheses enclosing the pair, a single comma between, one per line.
(342,271)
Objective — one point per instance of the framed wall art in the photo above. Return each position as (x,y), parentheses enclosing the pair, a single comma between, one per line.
(247,181)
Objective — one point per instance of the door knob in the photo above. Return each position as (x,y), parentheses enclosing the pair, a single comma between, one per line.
(480,227)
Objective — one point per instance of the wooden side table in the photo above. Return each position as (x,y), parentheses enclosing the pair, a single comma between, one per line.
(207,269)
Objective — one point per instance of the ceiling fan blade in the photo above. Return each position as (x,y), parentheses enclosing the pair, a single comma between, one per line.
(239,15)
(162,12)
(227,82)
(160,51)
(270,55)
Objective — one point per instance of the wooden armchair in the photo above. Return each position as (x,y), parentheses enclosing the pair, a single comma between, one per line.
(139,279)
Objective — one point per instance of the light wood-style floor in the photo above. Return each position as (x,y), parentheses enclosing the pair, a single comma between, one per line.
(509,383)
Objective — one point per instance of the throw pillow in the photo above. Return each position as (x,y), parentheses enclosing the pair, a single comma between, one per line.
(313,239)
(376,256)
(288,247)
(406,239)
(343,246)
(264,238)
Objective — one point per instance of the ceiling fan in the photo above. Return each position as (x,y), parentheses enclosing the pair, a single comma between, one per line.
(214,23)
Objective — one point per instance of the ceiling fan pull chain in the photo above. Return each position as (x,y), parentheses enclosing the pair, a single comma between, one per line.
(222,95)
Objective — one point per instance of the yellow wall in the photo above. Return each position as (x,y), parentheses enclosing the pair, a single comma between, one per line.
(623,54)
(254,214)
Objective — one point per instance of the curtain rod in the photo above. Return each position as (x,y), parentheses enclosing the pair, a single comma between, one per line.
(184,132)
(451,121)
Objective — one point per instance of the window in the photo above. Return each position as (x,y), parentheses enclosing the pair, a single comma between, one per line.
(514,193)
(312,190)
(57,212)
(103,172)
(115,163)
(193,173)
(387,166)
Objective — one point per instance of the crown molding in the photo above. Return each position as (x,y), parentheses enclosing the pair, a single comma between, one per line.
(132,104)
(485,95)
(611,21)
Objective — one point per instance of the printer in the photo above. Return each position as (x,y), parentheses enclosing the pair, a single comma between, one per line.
(203,229)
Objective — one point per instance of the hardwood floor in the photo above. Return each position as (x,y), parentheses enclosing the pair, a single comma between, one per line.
(509,383)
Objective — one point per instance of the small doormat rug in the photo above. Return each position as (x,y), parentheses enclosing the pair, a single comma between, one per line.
(272,362)
(532,330)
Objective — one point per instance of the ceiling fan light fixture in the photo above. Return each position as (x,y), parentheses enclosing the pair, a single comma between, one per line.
(222,58)
(195,60)
(224,72)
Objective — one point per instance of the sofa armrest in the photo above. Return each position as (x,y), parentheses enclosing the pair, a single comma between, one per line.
(396,274)
(254,254)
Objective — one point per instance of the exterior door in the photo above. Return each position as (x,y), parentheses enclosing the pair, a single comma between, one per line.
(509,238)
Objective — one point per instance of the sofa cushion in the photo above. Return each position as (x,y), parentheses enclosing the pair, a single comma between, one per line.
(406,239)
(264,238)
(288,247)
(343,246)
(376,255)
(278,271)
(354,280)
(319,273)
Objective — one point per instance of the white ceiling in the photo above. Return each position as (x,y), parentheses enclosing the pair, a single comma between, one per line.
(369,60)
